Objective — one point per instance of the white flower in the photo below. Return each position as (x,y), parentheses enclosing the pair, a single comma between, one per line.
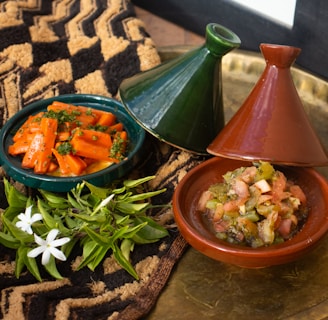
(26,220)
(48,247)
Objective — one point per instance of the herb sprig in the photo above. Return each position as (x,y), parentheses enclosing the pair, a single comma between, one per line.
(98,219)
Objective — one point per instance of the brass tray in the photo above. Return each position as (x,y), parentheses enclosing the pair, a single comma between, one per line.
(201,288)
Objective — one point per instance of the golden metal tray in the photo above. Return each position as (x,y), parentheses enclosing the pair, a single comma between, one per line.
(201,288)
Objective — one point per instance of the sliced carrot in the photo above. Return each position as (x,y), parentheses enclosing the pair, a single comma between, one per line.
(76,164)
(107,119)
(84,115)
(63,135)
(35,125)
(63,165)
(87,149)
(26,126)
(89,161)
(30,157)
(52,167)
(21,145)
(115,128)
(49,133)
(94,137)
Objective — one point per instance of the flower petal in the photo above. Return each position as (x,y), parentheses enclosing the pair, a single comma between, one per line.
(28,212)
(21,225)
(59,242)
(52,235)
(36,251)
(45,256)
(36,217)
(39,240)
(24,227)
(57,253)
(22,217)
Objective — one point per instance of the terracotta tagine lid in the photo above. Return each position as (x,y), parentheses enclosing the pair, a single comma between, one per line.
(180,101)
(272,124)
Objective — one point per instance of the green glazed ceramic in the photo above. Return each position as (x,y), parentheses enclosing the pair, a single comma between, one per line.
(180,101)
(12,165)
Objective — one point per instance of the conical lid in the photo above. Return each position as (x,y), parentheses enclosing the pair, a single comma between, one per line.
(272,124)
(180,101)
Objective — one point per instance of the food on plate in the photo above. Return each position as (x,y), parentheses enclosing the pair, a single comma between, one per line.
(254,206)
(69,140)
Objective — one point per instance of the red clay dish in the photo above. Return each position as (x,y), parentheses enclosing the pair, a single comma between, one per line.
(198,235)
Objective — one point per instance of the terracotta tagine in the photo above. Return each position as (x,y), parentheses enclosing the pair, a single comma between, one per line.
(272,124)
(180,101)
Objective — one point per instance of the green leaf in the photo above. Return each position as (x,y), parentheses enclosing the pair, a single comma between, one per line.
(75,204)
(19,234)
(32,267)
(127,247)
(134,183)
(15,198)
(90,250)
(119,190)
(99,256)
(152,231)
(120,258)
(48,219)
(120,220)
(20,260)
(101,240)
(98,191)
(143,196)
(139,240)
(131,208)
(54,200)
(127,232)
(51,268)
(9,241)
(99,218)
(71,223)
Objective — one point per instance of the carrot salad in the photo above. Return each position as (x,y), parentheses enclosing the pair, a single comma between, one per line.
(254,206)
(69,140)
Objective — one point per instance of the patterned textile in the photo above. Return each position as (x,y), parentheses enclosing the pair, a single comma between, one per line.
(49,48)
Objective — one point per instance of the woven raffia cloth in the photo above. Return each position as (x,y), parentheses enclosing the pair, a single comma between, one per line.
(49,48)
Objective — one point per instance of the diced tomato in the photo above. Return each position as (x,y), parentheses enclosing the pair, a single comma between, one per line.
(298,193)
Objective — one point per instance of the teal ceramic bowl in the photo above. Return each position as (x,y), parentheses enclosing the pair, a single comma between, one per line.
(12,165)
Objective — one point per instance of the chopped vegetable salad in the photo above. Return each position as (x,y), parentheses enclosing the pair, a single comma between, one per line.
(254,206)
(69,140)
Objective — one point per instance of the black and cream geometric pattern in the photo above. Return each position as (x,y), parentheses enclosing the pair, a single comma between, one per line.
(48,48)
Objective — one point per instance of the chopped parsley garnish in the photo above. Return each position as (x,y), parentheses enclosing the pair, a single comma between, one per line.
(62,116)
(98,127)
(117,148)
(65,148)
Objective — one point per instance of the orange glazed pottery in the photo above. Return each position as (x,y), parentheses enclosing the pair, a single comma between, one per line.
(199,235)
(272,124)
